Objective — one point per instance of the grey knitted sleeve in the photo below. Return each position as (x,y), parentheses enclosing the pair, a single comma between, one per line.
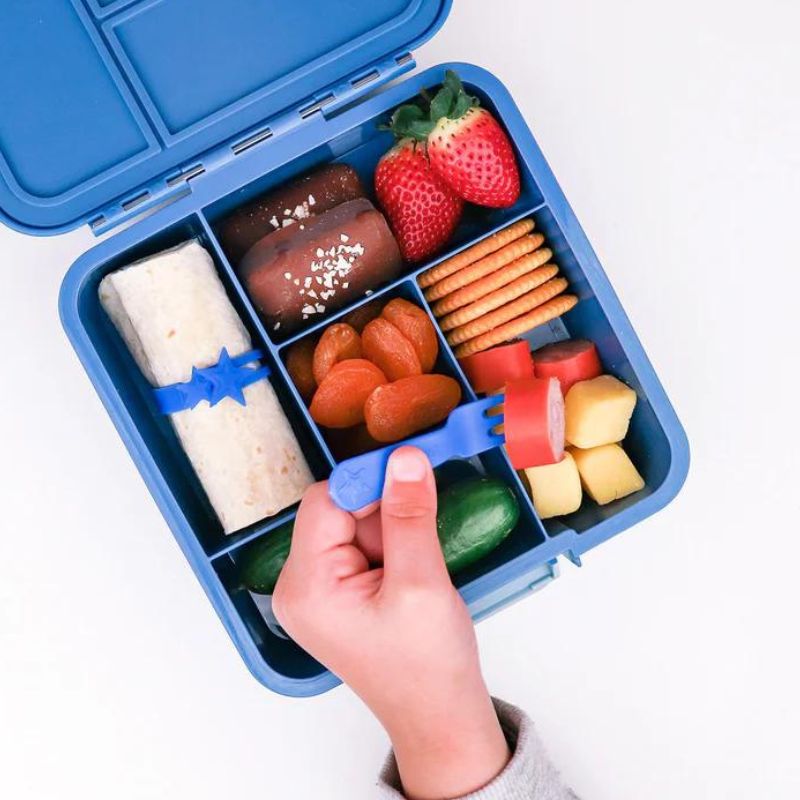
(530,775)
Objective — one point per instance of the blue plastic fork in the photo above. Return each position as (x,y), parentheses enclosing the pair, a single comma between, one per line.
(357,482)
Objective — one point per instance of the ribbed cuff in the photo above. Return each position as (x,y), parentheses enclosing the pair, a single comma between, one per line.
(530,775)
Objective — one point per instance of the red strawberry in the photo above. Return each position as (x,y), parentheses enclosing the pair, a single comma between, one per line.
(473,155)
(467,148)
(422,209)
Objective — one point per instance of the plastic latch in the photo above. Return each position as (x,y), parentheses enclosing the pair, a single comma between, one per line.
(516,590)
(326,103)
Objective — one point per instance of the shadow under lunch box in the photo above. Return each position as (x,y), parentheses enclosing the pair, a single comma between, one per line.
(166,115)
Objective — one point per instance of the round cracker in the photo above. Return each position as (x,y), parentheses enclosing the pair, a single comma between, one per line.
(496,280)
(480,269)
(500,297)
(517,327)
(475,253)
(507,312)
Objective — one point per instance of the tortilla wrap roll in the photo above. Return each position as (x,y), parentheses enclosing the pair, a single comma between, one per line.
(173,313)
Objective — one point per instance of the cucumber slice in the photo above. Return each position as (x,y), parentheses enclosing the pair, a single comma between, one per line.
(474,517)
(261,561)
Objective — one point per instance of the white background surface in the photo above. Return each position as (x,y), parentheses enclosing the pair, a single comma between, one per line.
(668,667)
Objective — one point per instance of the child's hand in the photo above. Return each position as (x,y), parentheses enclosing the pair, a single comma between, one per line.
(400,636)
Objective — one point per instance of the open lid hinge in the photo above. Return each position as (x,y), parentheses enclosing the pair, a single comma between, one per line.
(329,102)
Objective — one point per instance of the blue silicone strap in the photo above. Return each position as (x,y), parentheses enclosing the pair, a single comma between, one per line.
(227,378)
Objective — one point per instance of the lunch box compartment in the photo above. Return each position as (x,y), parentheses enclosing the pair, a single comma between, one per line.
(406,289)
(287,661)
(526,559)
(526,536)
(136,394)
(647,443)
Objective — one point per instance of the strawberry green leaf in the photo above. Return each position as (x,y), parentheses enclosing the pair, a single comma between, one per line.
(463,104)
(442,103)
(462,100)
(453,82)
(407,114)
(403,118)
(420,129)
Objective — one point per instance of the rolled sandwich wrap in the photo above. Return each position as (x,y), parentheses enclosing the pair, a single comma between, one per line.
(172,311)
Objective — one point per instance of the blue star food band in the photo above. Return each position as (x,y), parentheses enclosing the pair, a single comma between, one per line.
(229,377)
(173,313)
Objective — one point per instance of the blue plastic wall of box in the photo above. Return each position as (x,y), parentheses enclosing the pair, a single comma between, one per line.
(527,560)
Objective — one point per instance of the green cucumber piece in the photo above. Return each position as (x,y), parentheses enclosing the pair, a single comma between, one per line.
(475,516)
(262,561)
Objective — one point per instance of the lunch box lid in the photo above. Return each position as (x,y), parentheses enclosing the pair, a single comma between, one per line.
(109,108)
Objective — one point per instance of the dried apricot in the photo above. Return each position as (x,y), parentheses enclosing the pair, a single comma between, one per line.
(398,410)
(417,327)
(299,364)
(338,343)
(339,400)
(387,348)
(359,317)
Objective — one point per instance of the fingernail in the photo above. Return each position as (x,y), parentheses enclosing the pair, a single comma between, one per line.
(408,466)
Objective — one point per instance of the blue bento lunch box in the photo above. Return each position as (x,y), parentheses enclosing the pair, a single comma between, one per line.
(158,118)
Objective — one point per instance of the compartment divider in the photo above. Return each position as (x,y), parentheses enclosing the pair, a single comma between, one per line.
(260,529)
(529,212)
(410,286)
(528,500)
(445,351)
(233,280)
(265,341)
(389,287)
(405,285)
(336,316)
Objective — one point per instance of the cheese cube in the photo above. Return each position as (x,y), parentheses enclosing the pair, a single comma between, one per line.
(607,473)
(598,412)
(555,488)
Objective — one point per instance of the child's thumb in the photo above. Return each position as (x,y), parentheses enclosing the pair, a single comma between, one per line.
(411,549)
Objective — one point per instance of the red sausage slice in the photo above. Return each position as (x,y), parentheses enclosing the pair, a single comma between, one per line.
(534,422)
(571,361)
(493,369)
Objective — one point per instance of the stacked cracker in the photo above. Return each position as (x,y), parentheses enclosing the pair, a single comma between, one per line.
(496,290)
